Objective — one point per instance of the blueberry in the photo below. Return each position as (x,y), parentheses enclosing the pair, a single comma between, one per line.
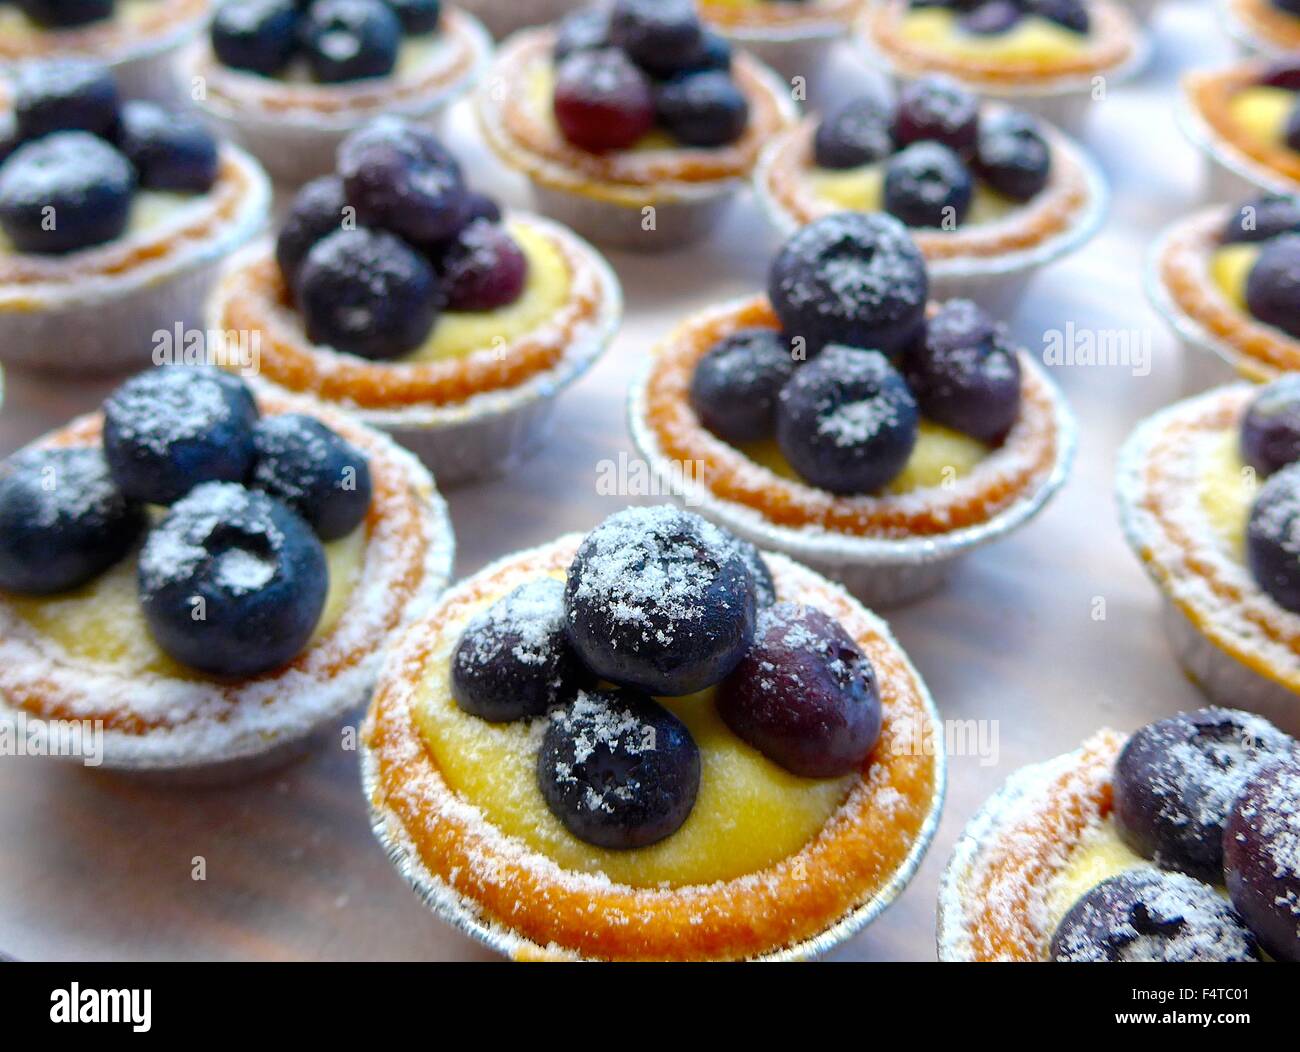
(63,14)
(400,177)
(1272,549)
(661,600)
(716,53)
(850,278)
(586,29)
(1146,915)
(1176,780)
(1262,219)
(417,16)
(63,521)
(64,192)
(260,36)
(663,37)
(1261,851)
(1012,155)
(964,373)
(482,269)
(857,133)
(347,40)
(1273,287)
(314,470)
(1072,14)
(317,211)
(480,206)
(735,385)
(67,94)
(764,585)
(937,109)
(1270,428)
(368,293)
(169,429)
(619,770)
(992,18)
(514,659)
(804,695)
(602,101)
(846,421)
(170,151)
(703,109)
(927,185)
(232,582)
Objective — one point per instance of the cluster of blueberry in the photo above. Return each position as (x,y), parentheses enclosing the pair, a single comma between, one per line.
(660,603)
(934,143)
(233,578)
(990,17)
(1270,443)
(341,40)
(1207,797)
(623,70)
(78,155)
(372,254)
(850,290)
(1274,224)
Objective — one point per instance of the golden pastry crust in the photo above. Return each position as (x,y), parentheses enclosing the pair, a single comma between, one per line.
(1013,471)
(108,39)
(1113,42)
(1210,96)
(1267,22)
(785,172)
(780,15)
(555,912)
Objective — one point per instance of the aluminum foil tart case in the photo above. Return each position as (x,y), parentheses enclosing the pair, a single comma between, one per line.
(1229,174)
(879,571)
(104,324)
(1249,44)
(463,914)
(214,755)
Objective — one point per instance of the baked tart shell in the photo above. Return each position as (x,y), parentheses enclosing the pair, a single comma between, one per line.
(1257,26)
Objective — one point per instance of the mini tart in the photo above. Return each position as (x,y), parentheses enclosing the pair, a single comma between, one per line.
(160,717)
(98,310)
(1262,26)
(513,895)
(1181,285)
(1185,500)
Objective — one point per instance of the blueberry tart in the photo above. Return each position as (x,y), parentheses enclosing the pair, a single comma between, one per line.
(210,569)
(847,422)
(1267,27)
(289,80)
(115,215)
(1177,843)
(990,193)
(794,37)
(651,743)
(1208,490)
(636,124)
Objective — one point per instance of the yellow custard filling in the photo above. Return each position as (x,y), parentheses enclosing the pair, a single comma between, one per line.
(102,622)
(940,458)
(1262,112)
(749,814)
(1228,489)
(863,190)
(1031,38)
(1230,267)
(546,290)
(149,209)
(1100,855)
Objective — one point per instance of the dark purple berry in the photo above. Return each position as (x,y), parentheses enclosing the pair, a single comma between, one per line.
(663,37)
(64,14)
(1012,155)
(927,185)
(857,133)
(66,94)
(318,210)
(1283,73)
(480,206)
(1270,428)
(703,109)
(735,385)
(170,150)
(1263,219)
(1273,287)
(417,16)
(347,40)
(260,36)
(937,109)
(314,470)
(603,101)
(1273,538)
(482,269)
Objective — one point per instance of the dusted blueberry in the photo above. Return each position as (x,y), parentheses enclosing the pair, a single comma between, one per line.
(64,192)
(232,582)
(764,585)
(66,94)
(368,293)
(62,14)
(735,385)
(857,133)
(850,278)
(937,109)
(1069,13)
(661,600)
(169,429)
(480,206)
(417,16)
(1263,218)
(313,469)
(346,40)
(618,769)
(1273,287)
(586,29)
(1273,538)
(63,521)
(317,211)
(482,269)
(703,109)
(804,695)
(400,177)
(1012,156)
(1270,430)
(965,374)
(1146,915)
(846,421)
(989,19)
(603,101)
(1261,853)
(927,185)
(663,37)
(260,36)
(1176,780)
(514,659)
(170,151)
